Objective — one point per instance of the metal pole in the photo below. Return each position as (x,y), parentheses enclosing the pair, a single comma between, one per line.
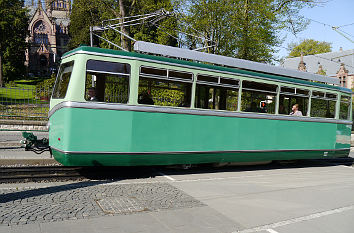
(91,37)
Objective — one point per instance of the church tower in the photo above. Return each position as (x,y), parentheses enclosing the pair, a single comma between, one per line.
(49,35)
(58,8)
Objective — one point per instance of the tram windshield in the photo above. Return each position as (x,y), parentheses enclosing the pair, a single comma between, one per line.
(62,81)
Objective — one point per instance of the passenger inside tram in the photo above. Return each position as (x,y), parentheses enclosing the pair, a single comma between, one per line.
(295,110)
(91,92)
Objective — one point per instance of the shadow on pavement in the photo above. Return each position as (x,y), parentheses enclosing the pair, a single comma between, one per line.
(13,196)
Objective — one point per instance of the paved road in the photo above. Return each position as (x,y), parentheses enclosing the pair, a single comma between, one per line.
(303,197)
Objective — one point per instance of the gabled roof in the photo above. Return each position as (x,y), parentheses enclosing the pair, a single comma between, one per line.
(46,17)
(330,62)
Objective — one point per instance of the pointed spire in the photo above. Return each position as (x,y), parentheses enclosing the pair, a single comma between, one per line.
(39,3)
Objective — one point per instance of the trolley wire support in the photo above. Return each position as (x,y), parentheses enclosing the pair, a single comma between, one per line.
(117,25)
(32,143)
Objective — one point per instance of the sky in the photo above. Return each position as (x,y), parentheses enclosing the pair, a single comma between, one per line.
(333,13)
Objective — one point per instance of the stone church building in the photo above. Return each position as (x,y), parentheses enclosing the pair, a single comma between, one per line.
(48,35)
(336,64)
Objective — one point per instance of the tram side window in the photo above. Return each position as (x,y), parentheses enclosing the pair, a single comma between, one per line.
(110,80)
(344,107)
(290,96)
(216,93)
(258,97)
(164,87)
(62,81)
(323,104)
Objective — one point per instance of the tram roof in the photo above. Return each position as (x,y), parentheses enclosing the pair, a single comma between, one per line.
(92,50)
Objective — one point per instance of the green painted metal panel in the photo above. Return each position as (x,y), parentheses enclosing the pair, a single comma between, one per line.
(129,131)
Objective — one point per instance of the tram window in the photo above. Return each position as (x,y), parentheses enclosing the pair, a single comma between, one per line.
(249,85)
(207,78)
(180,75)
(344,108)
(62,81)
(216,97)
(302,92)
(109,79)
(331,96)
(107,67)
(150,71)
(258,97)
(286,102)
(287,99)
(318,94)
(322,106)
(164,92)
(233,82)
(287,90)
(292,90)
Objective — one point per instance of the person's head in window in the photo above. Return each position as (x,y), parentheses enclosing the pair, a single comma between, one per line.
(91,92)
(295,110)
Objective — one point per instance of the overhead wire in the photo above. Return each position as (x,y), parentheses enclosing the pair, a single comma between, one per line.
(331,26)
(346,25)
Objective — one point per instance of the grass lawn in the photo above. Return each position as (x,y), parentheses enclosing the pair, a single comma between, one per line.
(22,90)
(23,99)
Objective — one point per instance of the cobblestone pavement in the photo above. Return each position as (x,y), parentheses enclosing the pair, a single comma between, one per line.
(88,200)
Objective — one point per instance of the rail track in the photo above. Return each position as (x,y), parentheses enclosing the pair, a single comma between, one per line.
(36,173)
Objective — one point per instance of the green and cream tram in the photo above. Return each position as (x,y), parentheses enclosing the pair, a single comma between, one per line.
(156,110)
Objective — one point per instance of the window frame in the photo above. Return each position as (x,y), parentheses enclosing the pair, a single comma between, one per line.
(217,85)
(167,79)
(325,98)
(295,94)
(95,72)
(349,102)
(273,93)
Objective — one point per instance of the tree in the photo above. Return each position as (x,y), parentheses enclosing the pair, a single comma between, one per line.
(91,13)
(309,47)
(13,31)
(242,28)
(85,13)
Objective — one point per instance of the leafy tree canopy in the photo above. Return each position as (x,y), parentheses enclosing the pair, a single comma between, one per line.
(246,29)
(13,31)
(242,28)
(309,47)
(86,13)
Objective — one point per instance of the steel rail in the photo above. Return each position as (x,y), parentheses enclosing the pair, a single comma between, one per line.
(38,173)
